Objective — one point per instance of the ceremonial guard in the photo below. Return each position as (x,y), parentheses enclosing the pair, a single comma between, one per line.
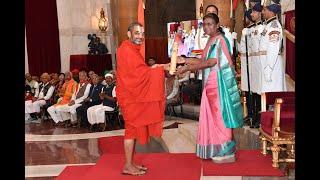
(255,81)
(273,71)
(246,61)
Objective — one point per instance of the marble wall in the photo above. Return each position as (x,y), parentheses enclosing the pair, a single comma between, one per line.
(77,19)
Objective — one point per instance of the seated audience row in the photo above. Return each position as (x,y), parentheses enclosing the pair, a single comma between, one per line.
(67,99)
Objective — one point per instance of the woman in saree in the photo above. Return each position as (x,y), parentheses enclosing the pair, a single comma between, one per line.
(220,109)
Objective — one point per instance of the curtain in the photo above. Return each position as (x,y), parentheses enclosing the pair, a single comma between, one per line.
(290,46)
(157,47)
(141,20)
(42,36)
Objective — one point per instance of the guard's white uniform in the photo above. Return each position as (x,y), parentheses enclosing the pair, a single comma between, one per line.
(273,71)
(255,81)
(242,49)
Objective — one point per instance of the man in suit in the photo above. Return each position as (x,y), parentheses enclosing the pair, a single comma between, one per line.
(92,100)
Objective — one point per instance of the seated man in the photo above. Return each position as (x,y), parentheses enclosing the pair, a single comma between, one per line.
(32,83)
(54,79)
(172,89)
(36,78)
(92,100)
(82,92)
(151,61)
(90,73)
(27,91)
(42,96)
(58,88)
(173,85)
(75,75)
(68,88)
(96,114)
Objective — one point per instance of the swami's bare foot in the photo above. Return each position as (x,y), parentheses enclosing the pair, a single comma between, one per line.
(132,170)
(141,167)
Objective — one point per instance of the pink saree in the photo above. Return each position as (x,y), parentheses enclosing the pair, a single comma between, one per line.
(214,138)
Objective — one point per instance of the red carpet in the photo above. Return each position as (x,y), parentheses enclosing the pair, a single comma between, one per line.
(73,172)
(161,166)
(111,145)
(249,163)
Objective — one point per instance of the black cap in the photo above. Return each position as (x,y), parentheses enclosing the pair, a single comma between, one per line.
(257,7)
(248,14)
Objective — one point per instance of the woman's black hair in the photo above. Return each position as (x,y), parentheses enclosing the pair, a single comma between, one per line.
(215,19)
(211,5)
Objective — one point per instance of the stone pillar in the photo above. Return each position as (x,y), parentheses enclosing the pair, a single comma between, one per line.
(128,13)
(198,4)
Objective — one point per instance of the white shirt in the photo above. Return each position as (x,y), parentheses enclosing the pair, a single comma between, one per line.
(85,94)
(33,84)
(40,94)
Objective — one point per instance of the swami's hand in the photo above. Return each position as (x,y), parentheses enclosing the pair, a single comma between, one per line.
(165,66)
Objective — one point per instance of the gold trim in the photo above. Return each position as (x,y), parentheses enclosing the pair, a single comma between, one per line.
(279,140)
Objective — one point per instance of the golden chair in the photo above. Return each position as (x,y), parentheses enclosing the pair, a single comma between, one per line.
(277,131)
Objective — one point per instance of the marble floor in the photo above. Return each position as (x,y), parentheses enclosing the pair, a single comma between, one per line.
(49,149)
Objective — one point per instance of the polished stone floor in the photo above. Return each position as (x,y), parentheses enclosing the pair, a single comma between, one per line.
(52,152)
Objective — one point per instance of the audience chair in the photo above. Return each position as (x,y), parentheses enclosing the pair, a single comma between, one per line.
(113,115)
(179,102)
(277,130)
(43,111)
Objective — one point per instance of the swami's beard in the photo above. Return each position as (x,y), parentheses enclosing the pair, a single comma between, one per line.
(137,41)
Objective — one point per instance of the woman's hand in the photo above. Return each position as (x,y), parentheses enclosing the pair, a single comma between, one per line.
(181,60)
(182,69)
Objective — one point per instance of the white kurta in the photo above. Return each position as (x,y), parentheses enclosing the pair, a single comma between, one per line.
(273,71)
(64,112)
(255,81)
(34,107)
